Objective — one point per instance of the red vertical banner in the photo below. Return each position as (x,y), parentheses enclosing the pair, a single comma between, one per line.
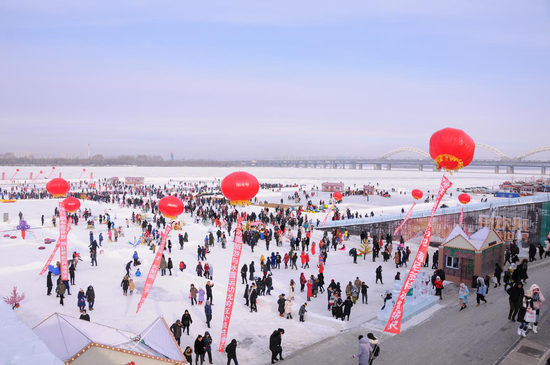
(232,286)
(409,213)
(63,231)
(394,322)
(3,176)
(91,175)
(461,220)
(153,271)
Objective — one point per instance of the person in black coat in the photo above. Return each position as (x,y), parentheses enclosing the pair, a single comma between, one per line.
(176,330)
(200,349)
(49,283)
(245,296)
(71,274)
(170,265)
(207,341)
(281,303)
(253,297)
(231,351)
(347,307)
(252,270)
(186,321)
(85,316)
(275,345)
(516,295)
(498,273)
(244,270)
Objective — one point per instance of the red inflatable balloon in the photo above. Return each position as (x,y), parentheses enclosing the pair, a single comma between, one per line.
(171,207)
(239,187)
(464,198)
(417,194)
(58,187)
(71,204)
(452,149)
(53,167)
(337,195)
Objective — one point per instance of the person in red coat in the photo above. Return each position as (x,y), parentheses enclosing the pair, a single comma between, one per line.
(302,282)
(309,290)
(438,287)
(303,258)
(307,261)
(285,260)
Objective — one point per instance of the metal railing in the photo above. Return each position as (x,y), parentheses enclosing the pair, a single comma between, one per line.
(441,211)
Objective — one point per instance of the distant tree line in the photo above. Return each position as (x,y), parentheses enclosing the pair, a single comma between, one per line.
(9,159)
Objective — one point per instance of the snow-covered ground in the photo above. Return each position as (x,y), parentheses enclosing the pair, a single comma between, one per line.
(21,261)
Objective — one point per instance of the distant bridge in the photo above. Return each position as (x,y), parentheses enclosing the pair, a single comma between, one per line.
(503,161)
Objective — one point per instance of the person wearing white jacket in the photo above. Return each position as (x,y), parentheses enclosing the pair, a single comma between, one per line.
(538,299)
(288,308)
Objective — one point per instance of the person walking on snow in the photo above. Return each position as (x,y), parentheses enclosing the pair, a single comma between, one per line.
(302,312)
(463,293)
(481,291)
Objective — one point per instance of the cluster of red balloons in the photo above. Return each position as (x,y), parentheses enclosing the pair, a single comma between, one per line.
(59,187)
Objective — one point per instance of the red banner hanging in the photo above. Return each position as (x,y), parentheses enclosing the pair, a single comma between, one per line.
(45,268)
(409,213)
(153,271)
(394,322)
(232,286)
(326,217)
(63,231)
(461,220)
(50,259)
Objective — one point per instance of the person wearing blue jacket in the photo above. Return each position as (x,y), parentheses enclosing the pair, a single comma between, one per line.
(136,258)
(463,293)
(208,312)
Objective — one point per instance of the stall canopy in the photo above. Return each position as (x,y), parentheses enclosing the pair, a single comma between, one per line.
(66,336)
(20,345)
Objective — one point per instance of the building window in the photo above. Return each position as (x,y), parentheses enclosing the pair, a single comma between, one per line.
(452,262)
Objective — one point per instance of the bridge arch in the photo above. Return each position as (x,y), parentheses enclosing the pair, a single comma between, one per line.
(532,152)
(405,149)
(492,149)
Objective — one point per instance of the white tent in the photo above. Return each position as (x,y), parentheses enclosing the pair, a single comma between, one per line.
(67,336)
(20,345)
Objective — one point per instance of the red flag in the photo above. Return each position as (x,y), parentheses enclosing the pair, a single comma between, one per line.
(231,287)
(153,271)
(409,213)
(394,322)
(461,220)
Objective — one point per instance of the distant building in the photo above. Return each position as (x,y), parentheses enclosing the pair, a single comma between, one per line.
(134,180)
(465,258)
(369,189)
(329,187)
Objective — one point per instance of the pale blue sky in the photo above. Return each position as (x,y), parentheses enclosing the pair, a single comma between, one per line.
(245,79)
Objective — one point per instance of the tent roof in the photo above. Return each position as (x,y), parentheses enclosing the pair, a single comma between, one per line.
(457,231)
(66,336)
(95,353)
(477,241)
(20,345)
